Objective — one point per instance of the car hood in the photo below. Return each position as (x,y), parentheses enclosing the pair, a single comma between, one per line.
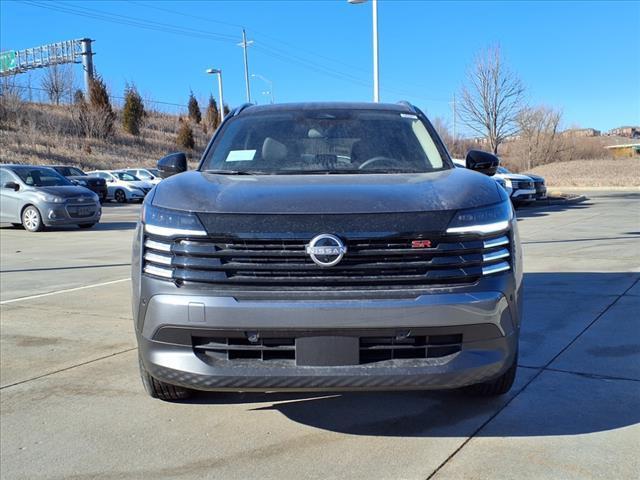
(65,191)
(537,178)
(138,184)
(326,194)
(85,178)
(514,176)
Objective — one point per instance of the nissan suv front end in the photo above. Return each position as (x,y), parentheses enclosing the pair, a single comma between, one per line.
(327,247)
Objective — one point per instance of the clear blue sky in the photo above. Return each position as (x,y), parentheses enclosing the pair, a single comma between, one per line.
(580,57)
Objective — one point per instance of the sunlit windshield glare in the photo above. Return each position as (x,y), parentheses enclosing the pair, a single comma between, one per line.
(319,141)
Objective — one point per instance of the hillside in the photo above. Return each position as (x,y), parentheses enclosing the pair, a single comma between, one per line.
(47,134)
(621,172)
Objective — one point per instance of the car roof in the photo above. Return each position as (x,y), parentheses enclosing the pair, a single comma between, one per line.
(23,165)
(308,106)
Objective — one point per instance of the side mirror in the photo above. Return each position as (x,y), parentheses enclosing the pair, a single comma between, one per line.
(12,185)
(483,162)
(172,164)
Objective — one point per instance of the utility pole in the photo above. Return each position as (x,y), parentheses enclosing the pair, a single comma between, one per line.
(244,44)
(376,82)
(87,62)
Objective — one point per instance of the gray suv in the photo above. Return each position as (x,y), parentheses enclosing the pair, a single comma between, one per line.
(327,246)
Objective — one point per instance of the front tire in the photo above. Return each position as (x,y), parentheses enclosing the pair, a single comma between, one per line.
(499,386)
(163,391)
(120,196)
(31,219)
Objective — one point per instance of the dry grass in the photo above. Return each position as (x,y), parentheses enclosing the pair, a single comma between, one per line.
(622,172)
(46,134)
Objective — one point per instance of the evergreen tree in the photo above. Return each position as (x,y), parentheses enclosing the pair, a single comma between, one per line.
(133,111)
(212,115)
(194,109)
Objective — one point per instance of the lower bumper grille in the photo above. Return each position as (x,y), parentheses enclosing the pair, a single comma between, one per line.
(371,349)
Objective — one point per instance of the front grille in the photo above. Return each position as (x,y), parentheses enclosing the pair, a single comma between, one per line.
(379,263)
(371,349)
(521,184)
(81,211)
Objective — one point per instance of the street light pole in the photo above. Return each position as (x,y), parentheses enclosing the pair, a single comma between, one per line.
(376,79)
(221,104)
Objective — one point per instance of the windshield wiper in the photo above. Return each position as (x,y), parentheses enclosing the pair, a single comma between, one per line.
(235,172)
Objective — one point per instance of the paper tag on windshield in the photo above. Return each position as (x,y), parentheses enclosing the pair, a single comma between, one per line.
(240,156)
(409,115)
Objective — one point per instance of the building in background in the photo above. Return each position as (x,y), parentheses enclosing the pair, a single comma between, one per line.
(630,132)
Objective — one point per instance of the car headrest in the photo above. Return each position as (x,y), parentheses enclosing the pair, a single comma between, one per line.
(273,150)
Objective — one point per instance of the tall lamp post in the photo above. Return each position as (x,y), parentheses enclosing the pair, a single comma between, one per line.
(376,83)
(218,71)
(267,81)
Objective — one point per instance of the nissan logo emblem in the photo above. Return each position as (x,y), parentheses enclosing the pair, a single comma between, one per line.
(326,250)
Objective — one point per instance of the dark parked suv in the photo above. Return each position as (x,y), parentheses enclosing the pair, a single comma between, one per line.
(95,184)
(327,247)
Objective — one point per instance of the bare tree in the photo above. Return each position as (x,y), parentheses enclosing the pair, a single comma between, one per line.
(539,140)
(57,82)
(491,99)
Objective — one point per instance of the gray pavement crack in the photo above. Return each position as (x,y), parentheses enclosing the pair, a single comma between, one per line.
(531,380)
(68,368)
(595,376)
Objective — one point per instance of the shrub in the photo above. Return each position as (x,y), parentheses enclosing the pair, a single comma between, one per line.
(185,137)
(133,111)
(95,118)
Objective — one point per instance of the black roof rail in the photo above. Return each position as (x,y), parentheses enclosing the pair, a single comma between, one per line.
(239,109)
(407,104)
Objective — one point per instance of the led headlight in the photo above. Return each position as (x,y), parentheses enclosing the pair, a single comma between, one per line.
(171,223)
(47,197)
(492,219)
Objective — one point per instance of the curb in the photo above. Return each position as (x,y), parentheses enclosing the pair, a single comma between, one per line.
(559,201)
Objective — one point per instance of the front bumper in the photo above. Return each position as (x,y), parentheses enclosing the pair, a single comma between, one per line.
(58,214)
(523,195)
(541,192)
(486,322)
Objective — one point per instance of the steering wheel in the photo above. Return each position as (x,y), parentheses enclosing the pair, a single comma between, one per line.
(379,159)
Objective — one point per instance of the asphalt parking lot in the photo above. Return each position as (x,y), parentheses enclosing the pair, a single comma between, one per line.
(71,403)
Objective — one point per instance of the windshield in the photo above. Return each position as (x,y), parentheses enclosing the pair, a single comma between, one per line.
(325,141)
(154,171)
(127,177)
(502,170)
(40,177)
(69,171)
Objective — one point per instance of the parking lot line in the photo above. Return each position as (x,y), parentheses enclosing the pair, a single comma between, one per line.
(66,290)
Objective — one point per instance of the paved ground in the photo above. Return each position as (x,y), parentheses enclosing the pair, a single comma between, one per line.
(71,404)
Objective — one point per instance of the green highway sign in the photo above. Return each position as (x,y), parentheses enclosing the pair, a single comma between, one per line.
(7,61)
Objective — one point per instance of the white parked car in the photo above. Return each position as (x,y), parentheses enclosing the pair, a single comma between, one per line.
(123,187)
(458,162)
(523,187)
(151,175)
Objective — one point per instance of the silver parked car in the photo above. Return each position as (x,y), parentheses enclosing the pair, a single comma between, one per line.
(35,197)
